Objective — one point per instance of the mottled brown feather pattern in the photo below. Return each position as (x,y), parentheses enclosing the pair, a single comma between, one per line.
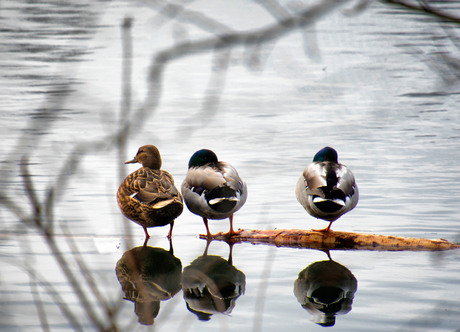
(144,188)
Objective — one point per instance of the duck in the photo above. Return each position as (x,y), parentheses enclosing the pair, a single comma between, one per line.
(327,189)
(149,275)
(213,189)
(148,196)
(326,289)
(211,285)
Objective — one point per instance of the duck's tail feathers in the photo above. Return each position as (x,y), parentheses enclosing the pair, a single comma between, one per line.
(314,192)
(163,203)
(331,177)
(222,198)
(328,205)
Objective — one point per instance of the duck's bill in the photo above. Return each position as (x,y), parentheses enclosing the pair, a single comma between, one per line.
(132,161)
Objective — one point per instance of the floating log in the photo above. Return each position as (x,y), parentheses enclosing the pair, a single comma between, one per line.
(297,238)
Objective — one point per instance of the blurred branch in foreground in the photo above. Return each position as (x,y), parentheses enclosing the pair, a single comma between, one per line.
(424,7)
(101,313)
(224,41)
(43,225)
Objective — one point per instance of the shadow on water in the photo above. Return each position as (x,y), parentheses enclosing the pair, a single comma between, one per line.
(211,284)
(325,289)
(148,276)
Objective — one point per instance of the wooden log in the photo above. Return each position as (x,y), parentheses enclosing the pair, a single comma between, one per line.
(297,238)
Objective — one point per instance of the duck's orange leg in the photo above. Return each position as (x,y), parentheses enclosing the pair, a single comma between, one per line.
(170,230)
(232,232)
(208,233)
(147,236)
(324,230)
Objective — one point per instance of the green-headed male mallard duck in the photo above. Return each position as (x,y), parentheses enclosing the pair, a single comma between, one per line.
(327,189)
(213,189)
(148,196)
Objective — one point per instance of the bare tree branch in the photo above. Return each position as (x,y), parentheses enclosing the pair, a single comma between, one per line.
(424,7)
(30,192)
(172,11)
(37,301)
(223,41)
(125,109)
(274,8)
(85,272)
(15,209)
(53,293)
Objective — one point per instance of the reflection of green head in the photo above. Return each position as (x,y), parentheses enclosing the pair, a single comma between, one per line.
(325,289)
(329,301)
(325,320)
(204,316)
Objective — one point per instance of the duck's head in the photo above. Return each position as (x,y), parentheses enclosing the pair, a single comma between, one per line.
(148,156)
(326,154)
(202,157)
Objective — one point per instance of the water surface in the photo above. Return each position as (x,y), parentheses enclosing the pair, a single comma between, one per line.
(380,86)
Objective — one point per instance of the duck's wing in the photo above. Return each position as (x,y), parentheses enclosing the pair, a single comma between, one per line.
(231,176)
(151,186)
(209,177)
(321,175)
(315,178)
(204,177)
(346,181)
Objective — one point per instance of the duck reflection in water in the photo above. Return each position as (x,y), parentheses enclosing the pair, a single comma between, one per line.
(211,284)
(147,276)
(325,289)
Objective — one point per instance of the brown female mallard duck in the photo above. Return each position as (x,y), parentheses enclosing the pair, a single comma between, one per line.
(148,196)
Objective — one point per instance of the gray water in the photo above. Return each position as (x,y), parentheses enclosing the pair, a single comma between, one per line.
(380,85)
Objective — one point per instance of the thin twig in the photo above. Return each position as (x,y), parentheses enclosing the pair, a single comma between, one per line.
(223,41)
(53,293)
(125,109)
(16,210)
(33,287)
(85,272)
(213,92)
(30,192)
(38,303)
(185,15)
(274,8)
(425,8)
(70,165)
(63,264)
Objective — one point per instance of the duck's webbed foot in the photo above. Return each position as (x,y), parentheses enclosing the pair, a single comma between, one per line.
(324,230)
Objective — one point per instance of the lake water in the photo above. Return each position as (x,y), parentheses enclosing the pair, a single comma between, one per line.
(380,85)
